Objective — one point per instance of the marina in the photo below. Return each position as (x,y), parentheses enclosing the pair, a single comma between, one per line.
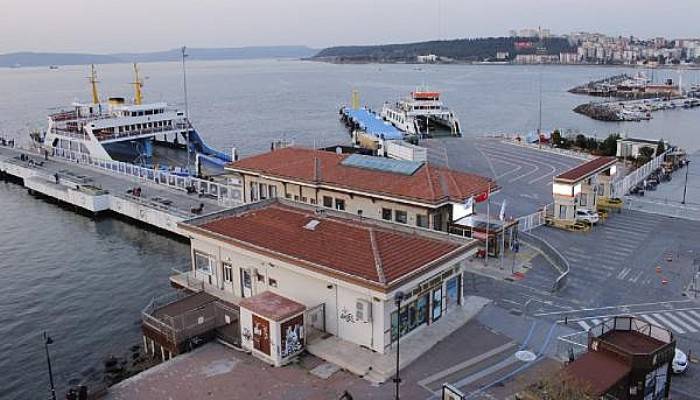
(634,110)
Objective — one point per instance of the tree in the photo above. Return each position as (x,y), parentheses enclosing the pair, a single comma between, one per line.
(645,155)
(556,138)
(661,147)
(581,141)
(558,386)
(609,146)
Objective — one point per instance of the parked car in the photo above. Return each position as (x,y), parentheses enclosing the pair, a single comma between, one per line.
(638,190)
(587,216)
(680,362)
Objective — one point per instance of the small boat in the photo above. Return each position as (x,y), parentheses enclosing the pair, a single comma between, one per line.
(53,66)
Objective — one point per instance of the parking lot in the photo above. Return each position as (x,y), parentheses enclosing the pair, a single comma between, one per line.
(524,175)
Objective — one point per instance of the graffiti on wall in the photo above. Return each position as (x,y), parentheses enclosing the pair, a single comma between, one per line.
(292,333)
(347,316)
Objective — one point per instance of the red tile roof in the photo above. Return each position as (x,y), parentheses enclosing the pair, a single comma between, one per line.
(272,306)
(363,252)
(581,171)
(429,184)
(599,370)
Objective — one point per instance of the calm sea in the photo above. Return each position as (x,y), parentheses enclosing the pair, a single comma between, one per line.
(86,280)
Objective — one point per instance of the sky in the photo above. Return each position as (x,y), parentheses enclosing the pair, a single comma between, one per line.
(105,26)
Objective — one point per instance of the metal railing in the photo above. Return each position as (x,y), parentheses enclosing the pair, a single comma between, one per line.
(572,345)
(226,194)
(623,186)
(558,261)
(532,221)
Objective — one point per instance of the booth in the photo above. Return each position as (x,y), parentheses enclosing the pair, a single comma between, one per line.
(272,327)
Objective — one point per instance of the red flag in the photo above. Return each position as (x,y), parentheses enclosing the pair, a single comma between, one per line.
(482,197)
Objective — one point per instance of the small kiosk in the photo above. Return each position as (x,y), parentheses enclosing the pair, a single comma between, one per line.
(272,327)
(501,234)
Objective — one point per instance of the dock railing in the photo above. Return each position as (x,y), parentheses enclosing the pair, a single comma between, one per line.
(621,187)
(227,194)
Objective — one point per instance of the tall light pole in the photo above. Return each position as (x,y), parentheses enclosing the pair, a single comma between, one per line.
(47,342)
(685,186)
(187,108)
(398,298)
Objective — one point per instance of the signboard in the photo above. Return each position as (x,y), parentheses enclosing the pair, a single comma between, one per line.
(450,392)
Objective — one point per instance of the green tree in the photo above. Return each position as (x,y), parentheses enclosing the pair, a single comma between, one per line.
(645,155)
(661,147)
(556,138)
(581,141)
(609,146)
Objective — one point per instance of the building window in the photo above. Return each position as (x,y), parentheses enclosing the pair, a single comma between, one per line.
(296,197)
(203,263)
(584,200)
(273,191)
(340,204)
(263,191)
(312,201)
(272,282)
(327,201)
(401,216)
(303,199)
(228,272)
(422,220)
(412,315)
(386,214)
(437,222)
(288,196)
(359,212)
(260,277)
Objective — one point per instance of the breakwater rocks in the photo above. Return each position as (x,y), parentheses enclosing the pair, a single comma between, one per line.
(598,111)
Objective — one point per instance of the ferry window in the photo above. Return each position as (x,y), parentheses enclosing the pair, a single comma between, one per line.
(422,220)
(202,263)
(340,204)
(401,216)
(228,272)
(386,214)
(328,201)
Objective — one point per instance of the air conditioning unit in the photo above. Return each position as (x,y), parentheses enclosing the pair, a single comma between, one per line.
(363,310)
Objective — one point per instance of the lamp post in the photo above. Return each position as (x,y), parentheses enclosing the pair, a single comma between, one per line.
(685,186)
(47,342)
(398,298)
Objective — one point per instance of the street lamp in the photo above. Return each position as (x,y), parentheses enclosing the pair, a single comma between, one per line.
(47,342)
(685,186)
(398,298)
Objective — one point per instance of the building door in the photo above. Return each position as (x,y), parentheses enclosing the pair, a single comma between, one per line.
(437,304)
(246,283)
(453,287)
(261,334)
(228,277)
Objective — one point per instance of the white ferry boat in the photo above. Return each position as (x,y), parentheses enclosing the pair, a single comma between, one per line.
(152,135)
(422,114)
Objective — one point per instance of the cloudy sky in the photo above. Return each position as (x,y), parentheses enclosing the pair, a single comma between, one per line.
(146,25)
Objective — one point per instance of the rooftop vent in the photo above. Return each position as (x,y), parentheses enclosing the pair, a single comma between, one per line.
(311,225)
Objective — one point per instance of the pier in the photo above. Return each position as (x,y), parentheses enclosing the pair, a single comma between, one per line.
(159,199)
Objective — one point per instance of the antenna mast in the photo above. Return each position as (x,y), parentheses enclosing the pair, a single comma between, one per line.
(138,84)
(93,83)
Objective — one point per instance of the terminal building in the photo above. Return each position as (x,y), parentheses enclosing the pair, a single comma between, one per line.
(296,272)
(406,192)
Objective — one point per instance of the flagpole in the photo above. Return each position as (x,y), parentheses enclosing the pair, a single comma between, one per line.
(503,235)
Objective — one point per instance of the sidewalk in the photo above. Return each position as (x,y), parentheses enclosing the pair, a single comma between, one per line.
(378,368)
(512,267)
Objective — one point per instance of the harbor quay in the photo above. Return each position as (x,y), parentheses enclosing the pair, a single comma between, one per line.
(156,200)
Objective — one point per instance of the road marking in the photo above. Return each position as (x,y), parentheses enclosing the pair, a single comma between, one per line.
(680,322)
(584,325)
(624,273)
(668,323)
(467,363)
(690,319)
(650,320)
(596,321)
(659,303)
(636,278)
(694,313)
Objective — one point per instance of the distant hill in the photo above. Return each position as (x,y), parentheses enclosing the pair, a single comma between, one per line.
(29,59)
(480,49)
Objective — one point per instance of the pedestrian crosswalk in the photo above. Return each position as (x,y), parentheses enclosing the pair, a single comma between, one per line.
(679,321)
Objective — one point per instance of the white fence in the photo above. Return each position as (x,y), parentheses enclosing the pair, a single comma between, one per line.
(532,221)
(229,194)
(623,186)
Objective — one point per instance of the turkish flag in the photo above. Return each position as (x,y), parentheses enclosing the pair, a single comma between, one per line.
(482,197)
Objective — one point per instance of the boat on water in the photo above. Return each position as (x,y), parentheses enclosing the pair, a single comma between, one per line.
(152,135)
(422,114)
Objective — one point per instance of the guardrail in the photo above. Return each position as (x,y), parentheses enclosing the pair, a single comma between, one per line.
(558,261)
(532,221)
(621,187)
(225,194)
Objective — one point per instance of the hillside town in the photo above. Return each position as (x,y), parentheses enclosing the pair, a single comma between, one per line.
(598,48)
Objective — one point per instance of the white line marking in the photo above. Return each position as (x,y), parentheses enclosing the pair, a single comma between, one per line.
(668,323)
(584,325)
(651,320)
(690,319)
(624,273)
(620,306)
(681,323)
(694,313)
(636,278)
